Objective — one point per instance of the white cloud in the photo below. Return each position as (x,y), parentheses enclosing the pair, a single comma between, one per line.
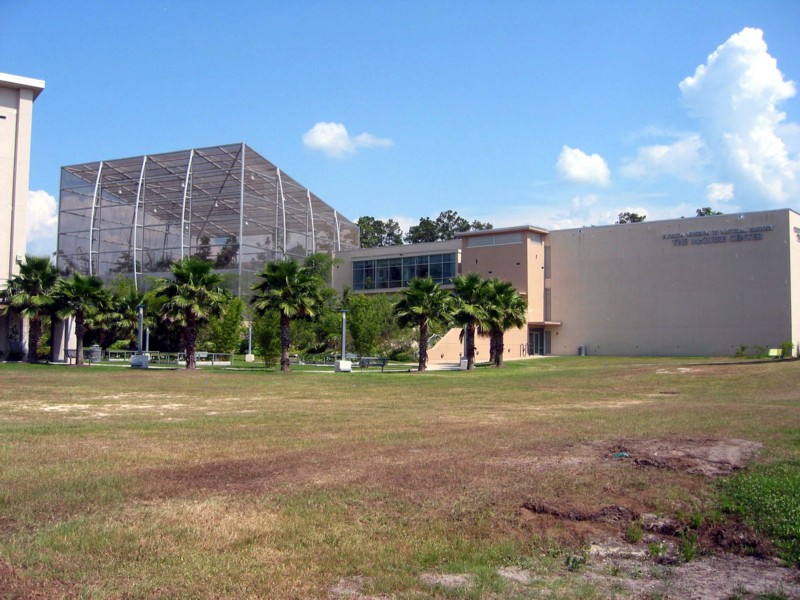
(735,97)
(42,222)
(333,140)
(719,192)
(682,159)
(575,165)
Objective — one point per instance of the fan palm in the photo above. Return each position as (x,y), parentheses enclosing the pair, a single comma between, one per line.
(422,303)
(505,308)
(78,297)
(29,293)
(294,291)
(190,299)
(470,311)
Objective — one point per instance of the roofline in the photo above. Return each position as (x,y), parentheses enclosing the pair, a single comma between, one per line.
(683,219)
(479,232)
(156,154)
(25,83)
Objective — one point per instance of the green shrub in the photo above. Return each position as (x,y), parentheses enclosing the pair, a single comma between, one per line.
(741,352)
(787,349)
(761,351)
(634,532)
(768,499)
(688,547)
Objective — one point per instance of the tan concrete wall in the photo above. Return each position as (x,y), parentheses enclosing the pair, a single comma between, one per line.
(659,288)
(794,257)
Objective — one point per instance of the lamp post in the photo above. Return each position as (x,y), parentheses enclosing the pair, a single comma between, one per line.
(343,365)
(140,360)
(344,333)
(249,357)
(140,346)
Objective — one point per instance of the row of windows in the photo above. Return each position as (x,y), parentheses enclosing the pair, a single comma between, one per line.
(386,273)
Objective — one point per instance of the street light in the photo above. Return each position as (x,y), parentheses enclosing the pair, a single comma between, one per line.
(343,365)
(140,360)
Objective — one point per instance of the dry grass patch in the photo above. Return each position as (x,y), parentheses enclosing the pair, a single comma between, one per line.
(253,484)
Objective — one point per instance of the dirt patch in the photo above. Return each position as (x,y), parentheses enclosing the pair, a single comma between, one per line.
(703,456)
(627,570)
(351,588)
(15,586)
(608,514)
(448,581)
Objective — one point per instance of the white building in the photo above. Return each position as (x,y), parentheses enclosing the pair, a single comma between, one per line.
(17,95)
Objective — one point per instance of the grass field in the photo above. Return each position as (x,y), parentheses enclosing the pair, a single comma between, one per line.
(234,484)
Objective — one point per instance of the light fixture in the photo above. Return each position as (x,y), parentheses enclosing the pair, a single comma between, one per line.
(216,204)
(155,209)
(119,191)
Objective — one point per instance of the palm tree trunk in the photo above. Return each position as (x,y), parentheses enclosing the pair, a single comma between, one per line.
(285,343)
(423,344)
(191,343)
(470,346)
(79,331)
(499,348)
(34,337)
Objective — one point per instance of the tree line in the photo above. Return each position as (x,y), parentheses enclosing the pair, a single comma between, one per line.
(292,306)
(376,232)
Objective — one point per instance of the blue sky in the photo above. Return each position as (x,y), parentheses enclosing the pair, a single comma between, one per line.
(558,114)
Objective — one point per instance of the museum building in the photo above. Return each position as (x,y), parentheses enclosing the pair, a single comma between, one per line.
(696,286)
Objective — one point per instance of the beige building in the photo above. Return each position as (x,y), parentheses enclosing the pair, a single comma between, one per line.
(697,286)
(17,95)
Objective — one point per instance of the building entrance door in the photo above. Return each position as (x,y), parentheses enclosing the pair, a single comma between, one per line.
(535,341)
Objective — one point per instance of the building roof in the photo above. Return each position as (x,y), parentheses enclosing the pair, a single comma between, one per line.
(523,228)
(23,83)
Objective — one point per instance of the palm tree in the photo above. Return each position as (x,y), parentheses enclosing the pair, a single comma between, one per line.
(470,312)
(29,293)
(423,303)
(505,308)
(293,291)
(190,299)
(78,297)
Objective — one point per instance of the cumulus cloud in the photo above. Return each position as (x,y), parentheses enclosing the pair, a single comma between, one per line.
(42,222)
(334,140)
(682,159)
(575,165)
(735,97)
(719,192)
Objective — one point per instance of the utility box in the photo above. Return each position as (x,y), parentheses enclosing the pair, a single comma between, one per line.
(343,366)
(140,361)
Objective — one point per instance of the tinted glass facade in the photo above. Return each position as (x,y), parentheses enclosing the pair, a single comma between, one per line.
(388,273)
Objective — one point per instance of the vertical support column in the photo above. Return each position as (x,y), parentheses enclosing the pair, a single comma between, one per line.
(313,229)
(186,185)
(92,217)
(241,221)
(338,233)
(136,226)
(283,212)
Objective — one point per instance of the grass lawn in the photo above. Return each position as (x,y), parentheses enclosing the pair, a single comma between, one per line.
(253,483)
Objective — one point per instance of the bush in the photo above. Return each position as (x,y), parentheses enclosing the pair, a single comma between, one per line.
(786,349)
(761,351)
(741,352)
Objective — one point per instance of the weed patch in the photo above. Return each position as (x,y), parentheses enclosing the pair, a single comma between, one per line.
(768,499)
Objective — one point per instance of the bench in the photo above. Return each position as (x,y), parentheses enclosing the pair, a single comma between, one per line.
(775,353)
(368,361)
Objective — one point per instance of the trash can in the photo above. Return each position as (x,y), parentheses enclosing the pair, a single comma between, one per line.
(581,350)
(95,353)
